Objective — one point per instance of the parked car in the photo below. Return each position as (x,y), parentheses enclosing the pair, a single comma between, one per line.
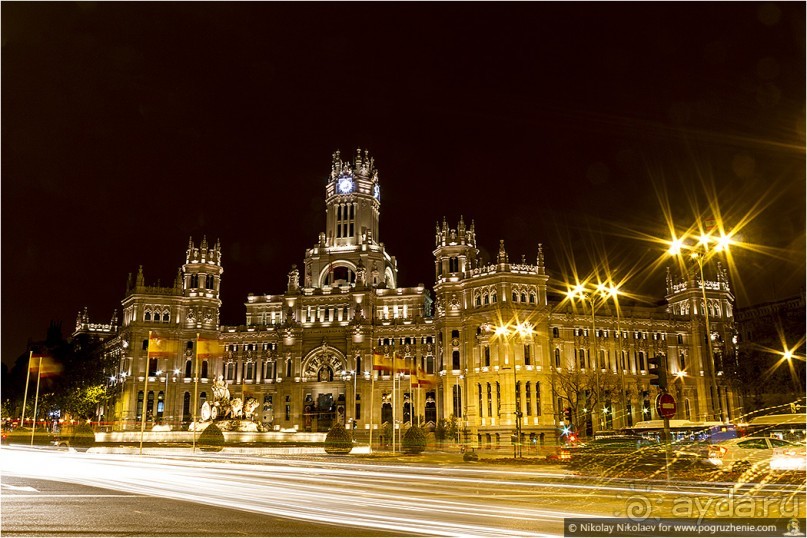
(745,452)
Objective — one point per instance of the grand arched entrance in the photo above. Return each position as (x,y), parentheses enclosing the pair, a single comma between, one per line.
(324,389)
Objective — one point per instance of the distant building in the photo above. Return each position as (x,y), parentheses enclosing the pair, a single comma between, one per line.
(493,347)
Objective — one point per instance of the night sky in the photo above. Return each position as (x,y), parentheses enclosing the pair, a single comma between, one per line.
(128,127)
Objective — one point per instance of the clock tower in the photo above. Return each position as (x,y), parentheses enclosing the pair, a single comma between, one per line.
(350,243)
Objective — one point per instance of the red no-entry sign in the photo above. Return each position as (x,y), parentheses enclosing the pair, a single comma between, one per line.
(665,405)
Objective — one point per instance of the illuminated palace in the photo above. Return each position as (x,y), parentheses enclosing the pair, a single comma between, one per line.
(488,346)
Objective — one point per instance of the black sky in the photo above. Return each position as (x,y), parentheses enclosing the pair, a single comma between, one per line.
(128,127)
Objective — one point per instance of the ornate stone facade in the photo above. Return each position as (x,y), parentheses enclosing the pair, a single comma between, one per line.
(493,347)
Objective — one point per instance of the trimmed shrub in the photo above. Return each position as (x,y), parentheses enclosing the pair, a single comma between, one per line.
(211,440)
(22,436)
(414,440)
(338,440)
(83,437)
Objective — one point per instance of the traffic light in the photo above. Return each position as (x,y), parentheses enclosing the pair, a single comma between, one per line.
(567,414)
(657,366)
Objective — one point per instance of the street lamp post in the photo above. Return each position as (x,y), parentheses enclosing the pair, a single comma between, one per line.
(506,333)
(700,257)
(580,293)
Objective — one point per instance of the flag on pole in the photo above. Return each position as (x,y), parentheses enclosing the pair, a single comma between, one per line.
(419,378)
(162,347)
(45,364)
(208,348)
(381,362)
(401,365)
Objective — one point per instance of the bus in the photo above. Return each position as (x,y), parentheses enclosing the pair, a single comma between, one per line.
(684,431)
(786,426)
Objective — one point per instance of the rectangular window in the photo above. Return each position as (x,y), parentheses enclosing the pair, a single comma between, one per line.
(487,355)
(527,356)
(498,400)
(538,398)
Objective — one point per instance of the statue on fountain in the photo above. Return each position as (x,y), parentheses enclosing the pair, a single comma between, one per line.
(228,414)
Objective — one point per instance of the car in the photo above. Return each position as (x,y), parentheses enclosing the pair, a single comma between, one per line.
(789,458)
(746,452)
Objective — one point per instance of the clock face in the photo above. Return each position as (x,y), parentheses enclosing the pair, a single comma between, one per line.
(345,184)
(377,191)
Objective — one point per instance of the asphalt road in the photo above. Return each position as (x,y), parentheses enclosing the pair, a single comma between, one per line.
(231,495)
(36,507)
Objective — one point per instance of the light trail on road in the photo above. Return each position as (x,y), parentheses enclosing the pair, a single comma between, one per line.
(405,498)
(402,501)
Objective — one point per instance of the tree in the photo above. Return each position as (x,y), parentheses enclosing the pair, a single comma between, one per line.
(583,391)
(76,391)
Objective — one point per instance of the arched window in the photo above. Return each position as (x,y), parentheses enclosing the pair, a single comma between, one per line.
(186,407)
(140,405)
(478,300)
(515,296)
(682,362)
(429,364)
(523,297)
(493,296)
(532,297)
(518,398)
(358,365)
(188,368)
(555,332)
(250,371)
(229,371)
(490,402)
(166,316)
(457,392)
(160,404)
(528,396)
(557,358)
(147,315)
(487,298)
(150,406)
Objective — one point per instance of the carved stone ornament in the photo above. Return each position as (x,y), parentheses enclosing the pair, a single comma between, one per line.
(454,302)
(322,358)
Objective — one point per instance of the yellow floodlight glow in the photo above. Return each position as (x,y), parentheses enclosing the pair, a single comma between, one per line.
(787,354)
(675,247)
(723,243)
(704,239)
(501,331)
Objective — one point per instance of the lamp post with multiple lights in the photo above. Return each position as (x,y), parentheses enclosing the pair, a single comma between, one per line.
(701,252)
(586,294)
(522,330)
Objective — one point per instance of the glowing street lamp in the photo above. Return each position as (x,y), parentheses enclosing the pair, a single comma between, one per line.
(605,292)
(523,330)
(701,251)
